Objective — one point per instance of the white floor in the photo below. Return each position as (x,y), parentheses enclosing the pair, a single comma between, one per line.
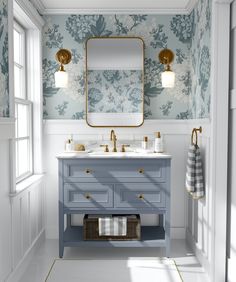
(43,257)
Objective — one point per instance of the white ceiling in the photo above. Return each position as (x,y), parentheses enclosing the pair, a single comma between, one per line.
(54,6)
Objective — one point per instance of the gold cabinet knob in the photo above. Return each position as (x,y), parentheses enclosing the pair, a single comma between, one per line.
(87,196)
(141,197)
(88,170)
(141,170)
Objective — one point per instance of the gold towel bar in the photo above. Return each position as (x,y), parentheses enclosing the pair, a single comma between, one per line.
(195,130)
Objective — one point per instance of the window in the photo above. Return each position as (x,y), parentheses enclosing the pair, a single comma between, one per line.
(23,107)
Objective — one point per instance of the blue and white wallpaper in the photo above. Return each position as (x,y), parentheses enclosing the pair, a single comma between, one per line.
(4,73)
(181,33)
(200,60)
(115,91)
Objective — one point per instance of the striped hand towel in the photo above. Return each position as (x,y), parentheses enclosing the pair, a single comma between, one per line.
(194,174)
(112,226)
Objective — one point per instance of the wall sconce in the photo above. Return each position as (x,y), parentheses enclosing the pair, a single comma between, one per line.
(166,56)
(63,56)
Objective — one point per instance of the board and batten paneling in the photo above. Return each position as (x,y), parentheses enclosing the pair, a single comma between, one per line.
(199,224)
(22,214)
(27,220)
(5,214)
(177,136)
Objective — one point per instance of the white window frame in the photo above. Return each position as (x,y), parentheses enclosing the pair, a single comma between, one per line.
(24,13)
(20,29)
(28,137)
(24,100)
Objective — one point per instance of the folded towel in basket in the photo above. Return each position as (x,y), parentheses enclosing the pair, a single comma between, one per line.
(194,174)
(112,226)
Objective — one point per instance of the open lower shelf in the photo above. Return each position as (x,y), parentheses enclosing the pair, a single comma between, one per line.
(151,236)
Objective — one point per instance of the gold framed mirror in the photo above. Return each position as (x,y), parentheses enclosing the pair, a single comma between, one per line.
(115,81)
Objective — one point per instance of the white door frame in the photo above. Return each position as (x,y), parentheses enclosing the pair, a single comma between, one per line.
(219,134)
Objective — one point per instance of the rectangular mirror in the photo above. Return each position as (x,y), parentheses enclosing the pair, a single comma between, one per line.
(114,81)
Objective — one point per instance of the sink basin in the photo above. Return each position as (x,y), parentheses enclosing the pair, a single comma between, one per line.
(101,154)
(112,154)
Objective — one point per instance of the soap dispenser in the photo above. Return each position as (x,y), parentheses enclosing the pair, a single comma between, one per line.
(70,144)
(145,143)
(158,143)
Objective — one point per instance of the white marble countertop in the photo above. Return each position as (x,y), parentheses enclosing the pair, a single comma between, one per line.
(111,155)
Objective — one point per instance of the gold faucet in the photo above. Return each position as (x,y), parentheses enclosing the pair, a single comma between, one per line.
(114,139)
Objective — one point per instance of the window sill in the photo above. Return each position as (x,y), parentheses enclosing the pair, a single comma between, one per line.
(25,184)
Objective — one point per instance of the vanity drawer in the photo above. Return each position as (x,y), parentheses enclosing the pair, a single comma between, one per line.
(140,195)
(115,169)
(88,195)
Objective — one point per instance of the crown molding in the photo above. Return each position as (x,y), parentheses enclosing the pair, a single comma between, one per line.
(228,2)
(38,4)
(114,11)
(25,11)
(190,6)
(158,11)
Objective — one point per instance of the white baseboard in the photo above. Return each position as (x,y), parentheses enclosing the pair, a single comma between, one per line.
(24,262)
(198,253)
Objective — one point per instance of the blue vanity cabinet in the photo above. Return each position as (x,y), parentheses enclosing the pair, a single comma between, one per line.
(114,186)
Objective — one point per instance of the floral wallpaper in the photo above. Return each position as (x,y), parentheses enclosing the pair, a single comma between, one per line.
(190,98)
(4,82)
(200,60)
(115,91)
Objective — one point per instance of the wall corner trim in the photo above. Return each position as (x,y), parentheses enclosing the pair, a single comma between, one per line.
(219,133)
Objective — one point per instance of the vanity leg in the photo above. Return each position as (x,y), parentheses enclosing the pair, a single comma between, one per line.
(61,250)
(167,234)
(160,219)
(68,219)
(61,230)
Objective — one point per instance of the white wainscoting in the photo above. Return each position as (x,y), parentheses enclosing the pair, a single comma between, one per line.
(22,214)
(27,219)
(199,225)
(27,224)
(177,134)
(5,214)
(7,128)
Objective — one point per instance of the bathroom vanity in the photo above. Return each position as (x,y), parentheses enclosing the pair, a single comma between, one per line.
(114,183)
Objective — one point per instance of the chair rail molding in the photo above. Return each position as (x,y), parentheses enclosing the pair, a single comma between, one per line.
(80,127)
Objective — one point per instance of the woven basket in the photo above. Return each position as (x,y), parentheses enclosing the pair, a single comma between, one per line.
(91,231)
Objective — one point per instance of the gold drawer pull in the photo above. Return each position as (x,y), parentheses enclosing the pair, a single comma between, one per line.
(88,170)
(141,170)
(87,196)
(141,197)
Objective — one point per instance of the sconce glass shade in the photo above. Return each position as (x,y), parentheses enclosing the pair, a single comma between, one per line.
(61,79)
(168,79)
